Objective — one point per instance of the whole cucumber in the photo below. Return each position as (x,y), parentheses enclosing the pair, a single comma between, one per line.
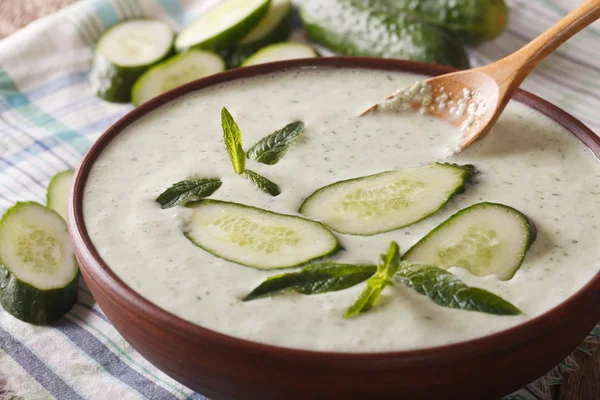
(377,28)
(472,21)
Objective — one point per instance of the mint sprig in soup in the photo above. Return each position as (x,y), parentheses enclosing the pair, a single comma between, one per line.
(481,269)
(232,137)
(270,149)
(183,192)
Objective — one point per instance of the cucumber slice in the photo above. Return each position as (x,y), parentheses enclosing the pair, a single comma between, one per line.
(485,239)
(223,25)
(174,72)
(275,27)
(125,52)
(58,192)
(388,200)
(280,52)
(255,237)
(38,272)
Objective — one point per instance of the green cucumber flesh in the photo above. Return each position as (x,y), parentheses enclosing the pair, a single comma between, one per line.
(125,52)
(58,192)
(274,27)
(255,237)
(38,271)
(223,25)
(485,239)
(174,72)
(280,52)
(388,200)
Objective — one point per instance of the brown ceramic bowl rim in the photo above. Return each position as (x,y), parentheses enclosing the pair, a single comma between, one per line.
(478,346)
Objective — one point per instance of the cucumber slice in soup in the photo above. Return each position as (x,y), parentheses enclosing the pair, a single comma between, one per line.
(280,52)
(274,27)
(255,237)
(223,25)
(38,272)
(125,52)
(388,200)
(485,239)
(174,72)
(58,192)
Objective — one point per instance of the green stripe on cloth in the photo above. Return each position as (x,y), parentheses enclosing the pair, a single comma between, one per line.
(21,103)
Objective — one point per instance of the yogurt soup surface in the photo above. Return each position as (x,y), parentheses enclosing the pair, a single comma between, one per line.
(527,162)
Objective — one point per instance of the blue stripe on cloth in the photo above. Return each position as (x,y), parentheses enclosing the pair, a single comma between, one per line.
(93,310)
(36,368)
(25,185)
(3,105)
(21,170)
(93,347)
(32,112)
(105,12)
(49,87)
(56,84)
(102,124)
(38,147)
(175,11)
(46,144)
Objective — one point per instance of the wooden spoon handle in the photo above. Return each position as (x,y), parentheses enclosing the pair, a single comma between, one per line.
(510,72)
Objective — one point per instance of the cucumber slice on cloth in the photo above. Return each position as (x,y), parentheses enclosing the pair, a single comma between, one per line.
(280,52)
(485,239)
(274,27)
(223,25)
(58,192)
(255,237)
(174,72)
(125,52)
(388,200)
(38,271)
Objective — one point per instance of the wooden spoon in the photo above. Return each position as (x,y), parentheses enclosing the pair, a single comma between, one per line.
(474,99)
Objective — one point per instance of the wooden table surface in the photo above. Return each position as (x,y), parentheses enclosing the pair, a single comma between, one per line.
(580,384)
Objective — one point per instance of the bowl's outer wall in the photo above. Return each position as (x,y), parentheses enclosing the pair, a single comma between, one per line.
(223,367)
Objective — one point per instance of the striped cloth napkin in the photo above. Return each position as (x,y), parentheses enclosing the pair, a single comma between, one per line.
(49,118)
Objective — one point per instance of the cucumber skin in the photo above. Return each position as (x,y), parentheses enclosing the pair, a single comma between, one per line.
(531,229)
(112,82)
(472,21)
(236,56)
(408,38)
(231,36)
(28,303)
(33,305)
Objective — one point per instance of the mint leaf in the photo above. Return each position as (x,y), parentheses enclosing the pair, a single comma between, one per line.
(448,291)
(188,190)
(271,148)
(313,279)
(232,136)
(262,183)
(386,268)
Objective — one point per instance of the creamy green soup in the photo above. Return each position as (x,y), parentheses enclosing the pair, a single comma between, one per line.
(527,162)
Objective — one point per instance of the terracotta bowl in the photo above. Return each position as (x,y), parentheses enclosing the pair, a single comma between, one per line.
(223,367)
